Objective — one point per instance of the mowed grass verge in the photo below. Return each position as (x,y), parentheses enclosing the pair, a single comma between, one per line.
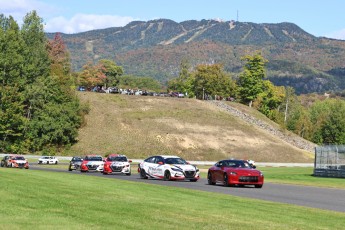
(49,200)
(300,176)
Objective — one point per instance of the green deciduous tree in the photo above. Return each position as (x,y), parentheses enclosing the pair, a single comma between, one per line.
(212,80)
(269,100)
(111,71)
(54,114)
(12,120)
(250,82)
(328,121)
(183,83)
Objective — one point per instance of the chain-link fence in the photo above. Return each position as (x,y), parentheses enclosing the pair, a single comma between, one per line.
(330,161)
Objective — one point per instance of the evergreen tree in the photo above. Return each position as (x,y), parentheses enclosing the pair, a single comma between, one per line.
(36,55)
(12,84)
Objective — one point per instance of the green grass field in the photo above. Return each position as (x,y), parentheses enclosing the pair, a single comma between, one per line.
(49,200)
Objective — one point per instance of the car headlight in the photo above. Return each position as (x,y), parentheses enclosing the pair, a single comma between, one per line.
(176,169)
(261,174)
(233,173)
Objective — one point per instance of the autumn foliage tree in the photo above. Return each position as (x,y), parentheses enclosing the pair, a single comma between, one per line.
(92,75)
(105,73)
(59,56)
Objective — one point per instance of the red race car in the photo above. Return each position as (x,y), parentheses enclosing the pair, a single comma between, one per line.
(15,161)
(235,172)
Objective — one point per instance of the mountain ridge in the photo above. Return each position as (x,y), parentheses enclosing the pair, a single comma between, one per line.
(155,48)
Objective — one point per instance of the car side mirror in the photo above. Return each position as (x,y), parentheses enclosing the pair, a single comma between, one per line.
(254,167)
(130,161)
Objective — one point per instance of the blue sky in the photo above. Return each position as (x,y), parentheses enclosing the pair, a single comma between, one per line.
(317,17)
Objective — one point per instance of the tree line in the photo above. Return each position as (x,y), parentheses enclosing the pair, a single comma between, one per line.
(39,109)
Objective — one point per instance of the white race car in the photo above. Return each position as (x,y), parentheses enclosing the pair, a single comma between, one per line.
(118,164)
(48,160)
(168,168)
(92,163)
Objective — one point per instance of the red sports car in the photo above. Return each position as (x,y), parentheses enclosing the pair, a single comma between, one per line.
(235,172)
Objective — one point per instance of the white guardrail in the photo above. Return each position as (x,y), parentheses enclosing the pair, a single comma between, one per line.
(262,164)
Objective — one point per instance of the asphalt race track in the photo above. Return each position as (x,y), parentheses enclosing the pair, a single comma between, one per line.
(322,198)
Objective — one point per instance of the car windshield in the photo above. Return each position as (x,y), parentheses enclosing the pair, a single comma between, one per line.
(177,161)
(236,164)
(117,158)
(94,158)
(18,158)
(45,157)
(77,159)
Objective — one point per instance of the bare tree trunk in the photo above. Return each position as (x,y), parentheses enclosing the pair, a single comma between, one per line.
(286,110)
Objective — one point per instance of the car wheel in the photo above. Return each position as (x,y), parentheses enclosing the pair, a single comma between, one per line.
(47,162)
(258,186)
(69,169)
(167,175)
(2,164)
(143,174)
(226,180)
(56,162)
(129,173)
(209,179)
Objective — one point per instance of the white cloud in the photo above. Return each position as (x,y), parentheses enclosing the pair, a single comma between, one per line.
(53,23)
(85,22)
(19,8)
(340,34)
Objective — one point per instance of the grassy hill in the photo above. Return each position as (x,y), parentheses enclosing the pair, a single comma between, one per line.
(141,126)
